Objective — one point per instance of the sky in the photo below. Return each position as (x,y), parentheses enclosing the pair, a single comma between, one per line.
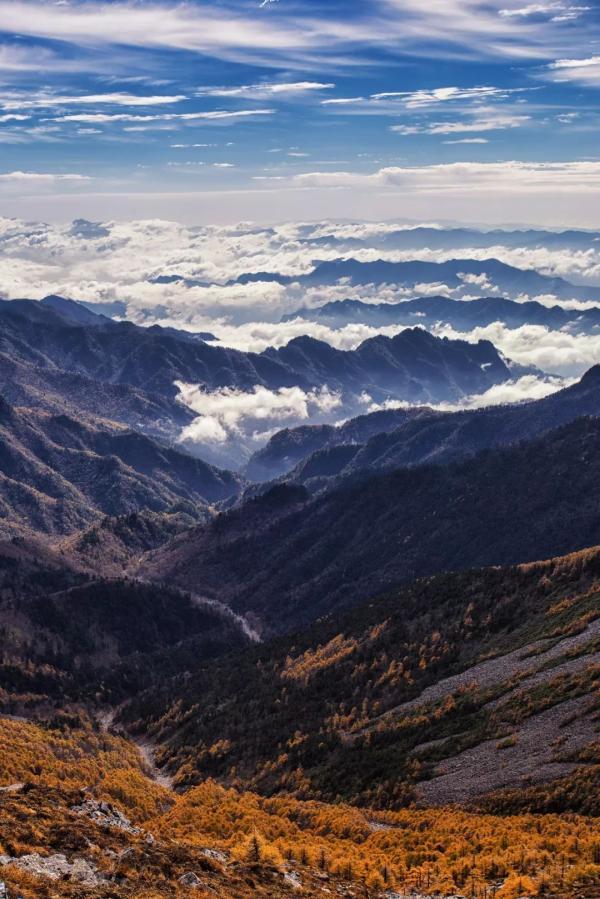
(268,110)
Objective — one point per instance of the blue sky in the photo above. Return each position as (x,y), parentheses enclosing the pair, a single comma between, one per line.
(481,110)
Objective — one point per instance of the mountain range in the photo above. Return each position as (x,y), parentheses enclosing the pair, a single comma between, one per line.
(423,237)
(464,274)
(463,316)
(371,672)
(59,356)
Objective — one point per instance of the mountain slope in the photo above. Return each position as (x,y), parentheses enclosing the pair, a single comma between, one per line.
(57,391)
(480,671)
(69,637)
(414,365)
(288,447)
(289,559)
(417,436)
(57,474)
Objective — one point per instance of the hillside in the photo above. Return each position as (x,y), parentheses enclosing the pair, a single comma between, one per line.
(57,391)
(68,637)
(402,437)
(289,559)
(57,475)
(491,672)
(288,447)
(91,822)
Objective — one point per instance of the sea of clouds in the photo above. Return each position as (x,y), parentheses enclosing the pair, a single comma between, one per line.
(116,264)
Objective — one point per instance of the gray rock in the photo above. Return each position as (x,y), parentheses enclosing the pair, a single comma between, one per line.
(56,866)
(105,814)
(215,854)
(190,880)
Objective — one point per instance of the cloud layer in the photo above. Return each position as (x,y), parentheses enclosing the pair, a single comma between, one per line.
(232,424)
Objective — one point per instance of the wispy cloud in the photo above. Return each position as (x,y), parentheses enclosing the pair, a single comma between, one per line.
(468,140)
(424,98)
(474,26)
(47,100)
(18,177)
(211,116)
(579,71)
(266,90)
(492,122)
(556,12)
(461,177)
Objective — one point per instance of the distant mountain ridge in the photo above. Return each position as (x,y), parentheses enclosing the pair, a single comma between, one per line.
(454,273)
(288,447)
(459,314)
(413,365)
(423,237)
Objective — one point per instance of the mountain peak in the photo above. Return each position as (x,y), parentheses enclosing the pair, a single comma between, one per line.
(73,311)
(591,376)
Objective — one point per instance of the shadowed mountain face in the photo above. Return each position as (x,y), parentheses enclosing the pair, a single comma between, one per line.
(65,634)
(461,315)
(455,273)
(288,558)
(151,359)
(413,365)
(403,437)
(57,474)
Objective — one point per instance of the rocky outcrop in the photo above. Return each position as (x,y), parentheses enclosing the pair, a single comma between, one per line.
(56,867)
(105,814)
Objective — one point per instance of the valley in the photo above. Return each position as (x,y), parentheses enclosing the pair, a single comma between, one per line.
(364,661)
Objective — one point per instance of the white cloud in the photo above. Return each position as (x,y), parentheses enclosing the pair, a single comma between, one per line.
(556,352)
(492,122)
(524,389)
(46,101)
(556,12)
(266,90)
(40,177)
(578,71)
(425,98)
(463,177)
(468,140)
(234,423)
(212,115)
(342,101)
